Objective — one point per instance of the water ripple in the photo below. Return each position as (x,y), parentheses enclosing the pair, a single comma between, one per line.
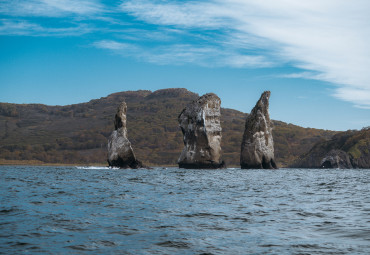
(57,210)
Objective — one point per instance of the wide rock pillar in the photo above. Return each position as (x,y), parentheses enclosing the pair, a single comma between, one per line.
(200,123)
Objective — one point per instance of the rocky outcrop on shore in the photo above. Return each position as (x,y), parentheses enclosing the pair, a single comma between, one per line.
(120,152)
(257,149)
(336,159)
(345,150)
(200,123)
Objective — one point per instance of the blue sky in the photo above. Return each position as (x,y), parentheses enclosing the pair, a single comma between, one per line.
(314,56)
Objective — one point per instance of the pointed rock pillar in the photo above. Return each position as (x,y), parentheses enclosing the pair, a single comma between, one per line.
(120,153)
(200,124)
(257,149)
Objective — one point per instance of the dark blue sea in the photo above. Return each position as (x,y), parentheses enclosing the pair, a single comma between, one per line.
(92,210)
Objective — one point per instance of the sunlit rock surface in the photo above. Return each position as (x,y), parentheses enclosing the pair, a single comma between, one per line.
(120,153)
(201,128)
(257,149)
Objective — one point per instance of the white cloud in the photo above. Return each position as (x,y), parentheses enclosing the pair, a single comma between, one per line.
(240,61)
(191,14)
(113,45)
(304,75)
(23,27)
(178,54)
(49,8)
(328,38)
(359,96)
(20,16)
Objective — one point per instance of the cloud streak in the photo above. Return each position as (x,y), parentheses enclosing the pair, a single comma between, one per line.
(26,28)
(49,8)
(179,54)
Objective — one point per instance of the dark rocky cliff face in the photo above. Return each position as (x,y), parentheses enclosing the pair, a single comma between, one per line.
(200,124)
(336,159)
(350,149)
(120,153)
(257,149)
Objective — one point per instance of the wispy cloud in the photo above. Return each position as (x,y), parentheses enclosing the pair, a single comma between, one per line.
(359,96)
(60,17)
(49,8)
(23,27)
(304,75)
(329,39)
(187,14)
(113,45)
(179,54)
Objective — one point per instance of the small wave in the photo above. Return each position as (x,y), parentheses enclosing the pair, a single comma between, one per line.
(95,167)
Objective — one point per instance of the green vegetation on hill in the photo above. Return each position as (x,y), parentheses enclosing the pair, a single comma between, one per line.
(77,134)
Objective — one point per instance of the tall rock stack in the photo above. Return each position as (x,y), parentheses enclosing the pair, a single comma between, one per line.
(201,127)
(120,153)
(257,149)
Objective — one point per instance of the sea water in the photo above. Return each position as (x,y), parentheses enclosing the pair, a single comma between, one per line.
(59,210)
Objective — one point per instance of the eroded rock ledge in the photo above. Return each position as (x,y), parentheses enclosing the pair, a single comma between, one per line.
(257,149)
(201,127)
(120,152)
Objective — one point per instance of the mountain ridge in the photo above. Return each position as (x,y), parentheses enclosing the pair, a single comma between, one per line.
(78,133)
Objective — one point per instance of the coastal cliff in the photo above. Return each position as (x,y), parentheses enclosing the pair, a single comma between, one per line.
(201,127)
(257,149)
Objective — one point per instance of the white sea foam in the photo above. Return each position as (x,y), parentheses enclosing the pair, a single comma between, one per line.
(93,167)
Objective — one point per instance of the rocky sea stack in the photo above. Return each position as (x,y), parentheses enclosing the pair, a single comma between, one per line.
(200,123)
(257,149)
(120,153)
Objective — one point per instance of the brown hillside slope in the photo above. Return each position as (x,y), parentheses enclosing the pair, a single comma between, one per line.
(356,144)
(78,133)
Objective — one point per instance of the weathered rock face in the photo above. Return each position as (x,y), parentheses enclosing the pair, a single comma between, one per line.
(257,149)
(336,159)
(120,153)
(200,125)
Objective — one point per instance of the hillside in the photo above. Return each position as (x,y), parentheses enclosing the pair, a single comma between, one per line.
(353,145)
(78,133)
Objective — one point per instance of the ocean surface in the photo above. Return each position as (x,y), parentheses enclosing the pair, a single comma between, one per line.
(96,210)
